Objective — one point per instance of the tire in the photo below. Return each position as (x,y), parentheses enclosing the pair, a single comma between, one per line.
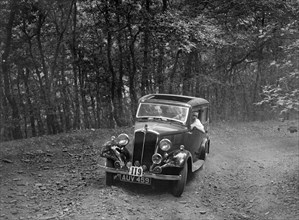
(208,147)
(109,176)
(202,155)
(179,186)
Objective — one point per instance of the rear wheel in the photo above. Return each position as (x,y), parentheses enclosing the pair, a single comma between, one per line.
(208,147)
(202,154)
(179,186)
(109,176)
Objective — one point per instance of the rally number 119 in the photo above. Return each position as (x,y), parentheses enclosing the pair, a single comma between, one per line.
(135,171)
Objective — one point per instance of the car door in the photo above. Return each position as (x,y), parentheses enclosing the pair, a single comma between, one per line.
(204,117)
(195,137)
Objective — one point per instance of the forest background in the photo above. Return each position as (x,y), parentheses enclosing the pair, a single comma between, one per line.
(82,64)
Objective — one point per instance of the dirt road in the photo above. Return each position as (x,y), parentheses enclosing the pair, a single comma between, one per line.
(252,172)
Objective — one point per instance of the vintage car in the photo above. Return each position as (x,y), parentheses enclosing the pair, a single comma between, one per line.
(165,144)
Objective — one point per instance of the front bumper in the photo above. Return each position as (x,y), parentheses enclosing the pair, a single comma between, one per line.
(145,174)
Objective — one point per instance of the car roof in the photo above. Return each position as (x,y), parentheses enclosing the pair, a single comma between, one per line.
(174,99)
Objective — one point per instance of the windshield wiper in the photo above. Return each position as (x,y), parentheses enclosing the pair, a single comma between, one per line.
(160,118)
(143,118)
(165,119)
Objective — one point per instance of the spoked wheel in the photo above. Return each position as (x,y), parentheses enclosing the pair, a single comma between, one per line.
(109,176)
(179,185)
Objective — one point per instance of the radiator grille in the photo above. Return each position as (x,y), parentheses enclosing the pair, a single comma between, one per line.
(146,145)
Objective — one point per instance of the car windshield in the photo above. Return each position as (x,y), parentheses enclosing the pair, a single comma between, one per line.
(163,111)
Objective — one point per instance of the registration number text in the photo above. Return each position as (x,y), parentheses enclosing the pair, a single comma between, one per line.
(135,179)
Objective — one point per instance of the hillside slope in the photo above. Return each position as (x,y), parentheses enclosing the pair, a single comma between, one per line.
(251,173)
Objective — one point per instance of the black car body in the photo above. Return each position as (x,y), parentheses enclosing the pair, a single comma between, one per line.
(164,146)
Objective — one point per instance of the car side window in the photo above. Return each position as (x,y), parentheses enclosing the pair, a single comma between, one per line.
(203,115)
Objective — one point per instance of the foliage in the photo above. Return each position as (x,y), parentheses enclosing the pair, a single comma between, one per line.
(284,95)
(76,64)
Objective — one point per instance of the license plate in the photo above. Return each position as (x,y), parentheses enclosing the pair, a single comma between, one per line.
(134,179)
(135,171)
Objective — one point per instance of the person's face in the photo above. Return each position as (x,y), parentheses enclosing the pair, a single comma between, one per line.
(158,109)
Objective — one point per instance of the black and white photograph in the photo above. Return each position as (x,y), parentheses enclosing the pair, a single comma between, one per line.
(149,109)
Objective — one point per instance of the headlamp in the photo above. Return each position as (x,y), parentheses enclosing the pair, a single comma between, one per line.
(165,144)
(123,139)
(156,158)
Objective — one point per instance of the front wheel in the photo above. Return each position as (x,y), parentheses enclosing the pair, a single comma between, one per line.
(109,176)
(179,185)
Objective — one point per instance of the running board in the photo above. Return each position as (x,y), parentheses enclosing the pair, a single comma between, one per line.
(197,165)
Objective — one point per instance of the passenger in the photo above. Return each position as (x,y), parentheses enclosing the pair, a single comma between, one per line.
(158,110)
(179,114)
(196,122)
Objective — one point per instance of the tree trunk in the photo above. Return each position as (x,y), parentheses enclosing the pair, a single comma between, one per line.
(172,81)
(50,109)
(113,117)
(33,111)
(16,130)
(23,107)
(165,5)
(2,112)
(187,75)
(40,123)
(160,77)
(82,80)
(146,40)
(93,116)
(77,119)
(132,72)
(120,86)
(257,85)
(99,103)
(244,105)
(66,103)
(28,99)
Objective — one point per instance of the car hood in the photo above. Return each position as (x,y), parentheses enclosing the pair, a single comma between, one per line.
(162,128)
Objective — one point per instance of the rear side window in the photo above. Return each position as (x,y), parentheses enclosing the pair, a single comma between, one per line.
(203,115)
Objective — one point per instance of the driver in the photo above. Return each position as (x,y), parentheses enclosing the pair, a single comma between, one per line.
(196,122)
(158,110)
(179,114)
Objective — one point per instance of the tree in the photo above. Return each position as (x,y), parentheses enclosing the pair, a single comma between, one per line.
(15,122)
(283,95)
(75,64)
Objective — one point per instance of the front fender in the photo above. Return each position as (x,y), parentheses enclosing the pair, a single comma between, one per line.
(116,153)
(177,158)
